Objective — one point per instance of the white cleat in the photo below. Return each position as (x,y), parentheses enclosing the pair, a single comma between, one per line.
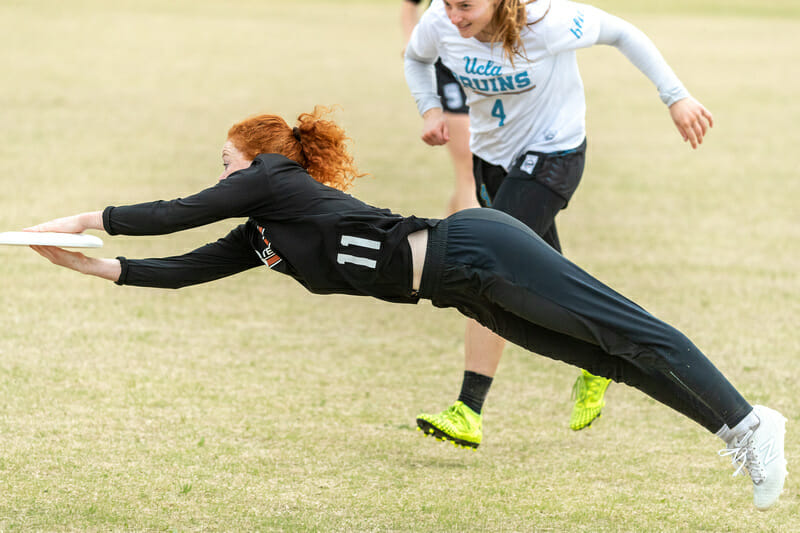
(760,453)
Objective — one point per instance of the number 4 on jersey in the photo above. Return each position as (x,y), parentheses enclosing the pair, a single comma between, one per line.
(499,112)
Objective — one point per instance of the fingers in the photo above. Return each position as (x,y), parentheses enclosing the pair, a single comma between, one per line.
(692,120)
(59,256)
(434,129)
(708,116)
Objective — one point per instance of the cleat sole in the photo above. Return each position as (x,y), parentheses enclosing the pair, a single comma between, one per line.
(429,429)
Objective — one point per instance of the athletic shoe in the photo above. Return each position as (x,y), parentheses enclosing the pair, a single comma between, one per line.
(458,424)
(760,453)
(588,393)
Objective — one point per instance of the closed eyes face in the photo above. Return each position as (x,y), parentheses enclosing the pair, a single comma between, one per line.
(471,17)
(232,160)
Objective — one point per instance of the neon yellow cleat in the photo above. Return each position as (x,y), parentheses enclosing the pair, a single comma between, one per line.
(458,424)
(588,393)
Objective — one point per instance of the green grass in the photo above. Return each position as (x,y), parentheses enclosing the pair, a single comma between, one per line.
(248,404)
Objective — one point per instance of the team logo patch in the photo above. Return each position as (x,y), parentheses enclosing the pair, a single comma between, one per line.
(267,254)
(529,163)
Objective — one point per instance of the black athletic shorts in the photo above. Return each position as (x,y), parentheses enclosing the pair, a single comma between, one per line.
(450,92)
(559,171)
(534,190)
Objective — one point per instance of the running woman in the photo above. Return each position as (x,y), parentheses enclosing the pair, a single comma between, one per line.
(289,182)
(516,61)
(455,114)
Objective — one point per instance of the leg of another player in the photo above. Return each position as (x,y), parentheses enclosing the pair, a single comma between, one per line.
(462,423)
(463,196)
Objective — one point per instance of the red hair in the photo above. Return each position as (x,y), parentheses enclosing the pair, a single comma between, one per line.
(318,145)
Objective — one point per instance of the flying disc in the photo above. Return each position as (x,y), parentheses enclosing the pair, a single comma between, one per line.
(49,238)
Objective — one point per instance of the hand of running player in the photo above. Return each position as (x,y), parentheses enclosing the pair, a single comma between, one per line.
(434,128)
(691,119)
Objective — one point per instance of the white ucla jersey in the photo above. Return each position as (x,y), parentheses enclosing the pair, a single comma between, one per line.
(538,103)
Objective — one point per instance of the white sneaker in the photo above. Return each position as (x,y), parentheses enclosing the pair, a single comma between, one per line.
(760,452)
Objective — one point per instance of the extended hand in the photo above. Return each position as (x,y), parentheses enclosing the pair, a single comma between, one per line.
(691,119)
(109,269)
(72,224)
(58,256)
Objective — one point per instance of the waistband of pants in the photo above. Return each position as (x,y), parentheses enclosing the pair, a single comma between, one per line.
(434,260)
(581,148)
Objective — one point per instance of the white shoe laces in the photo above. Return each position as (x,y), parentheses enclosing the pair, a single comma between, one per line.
(745,457)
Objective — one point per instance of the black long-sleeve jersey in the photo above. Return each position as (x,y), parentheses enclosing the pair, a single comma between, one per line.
(327,240)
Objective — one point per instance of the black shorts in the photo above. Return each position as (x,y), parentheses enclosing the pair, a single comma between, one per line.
(534,190)
(450,92)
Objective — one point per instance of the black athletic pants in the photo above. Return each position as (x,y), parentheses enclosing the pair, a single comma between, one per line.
(496,270)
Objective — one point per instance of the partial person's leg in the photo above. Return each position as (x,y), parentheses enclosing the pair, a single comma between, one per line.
(536,205)
(461,423)
(534,191)
(463,196)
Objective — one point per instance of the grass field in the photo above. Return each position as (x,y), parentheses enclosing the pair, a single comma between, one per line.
(249,404)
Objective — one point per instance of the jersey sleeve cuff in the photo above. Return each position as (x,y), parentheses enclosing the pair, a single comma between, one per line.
(674,95)
(123,275)
(107,220)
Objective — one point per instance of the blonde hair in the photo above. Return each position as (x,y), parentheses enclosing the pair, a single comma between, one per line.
(509,19)
(317,144)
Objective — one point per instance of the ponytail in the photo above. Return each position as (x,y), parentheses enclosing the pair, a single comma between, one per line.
(317,144)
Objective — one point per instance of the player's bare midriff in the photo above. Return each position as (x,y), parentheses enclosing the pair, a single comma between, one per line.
(418,242)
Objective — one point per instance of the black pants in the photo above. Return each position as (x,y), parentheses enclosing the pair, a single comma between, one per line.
(496,270)
(534,190)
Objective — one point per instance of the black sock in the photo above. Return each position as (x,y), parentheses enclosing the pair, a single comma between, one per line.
(474,389)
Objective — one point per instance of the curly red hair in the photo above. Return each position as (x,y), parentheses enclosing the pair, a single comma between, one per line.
(317,144)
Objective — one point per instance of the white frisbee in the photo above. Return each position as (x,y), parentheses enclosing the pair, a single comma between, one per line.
(49,238)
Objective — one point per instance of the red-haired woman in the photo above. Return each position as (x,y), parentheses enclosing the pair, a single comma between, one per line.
(516,61)
(288,181)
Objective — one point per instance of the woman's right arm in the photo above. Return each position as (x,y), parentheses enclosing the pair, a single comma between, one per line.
(421,54)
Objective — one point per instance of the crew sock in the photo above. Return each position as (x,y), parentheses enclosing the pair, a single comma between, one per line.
(474,389)
(725,434)
(749,422)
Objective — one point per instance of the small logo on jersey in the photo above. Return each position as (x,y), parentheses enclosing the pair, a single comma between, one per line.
(577,29)
(529,163)
(267,254)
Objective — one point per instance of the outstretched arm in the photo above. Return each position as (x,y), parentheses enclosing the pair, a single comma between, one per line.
(109,269)
(225,257)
